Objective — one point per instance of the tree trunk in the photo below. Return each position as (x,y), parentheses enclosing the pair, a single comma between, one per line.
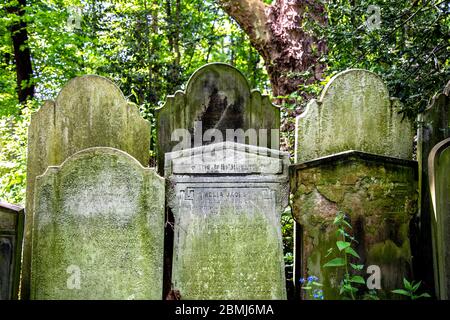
(22,55)
(291,54)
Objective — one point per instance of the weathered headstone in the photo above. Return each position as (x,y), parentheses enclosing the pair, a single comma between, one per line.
(11,233)
(433,127)
(217,96)
(98,229)
(354,112)
(353,152)
(90,111)
(439,179)
(227,200)
(379,196)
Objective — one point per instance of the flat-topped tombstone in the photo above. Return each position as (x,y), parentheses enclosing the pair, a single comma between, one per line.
(11,232)
(433,127)
(439,175)
(98,229)
(217,96)
(354,112)
(90,111)
(227,200)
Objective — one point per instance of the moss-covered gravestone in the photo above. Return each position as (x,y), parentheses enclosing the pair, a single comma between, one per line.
(11,232)
(439,179)
(433,127)
(353,154)
(227,200)
(90,111)
(98,229)
(354,112)
(379,196)
(217,96)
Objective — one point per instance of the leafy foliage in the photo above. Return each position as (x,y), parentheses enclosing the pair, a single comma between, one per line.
(149,48)
(410,290)
(312,287)
(350,282)
(408,48)
(13,148)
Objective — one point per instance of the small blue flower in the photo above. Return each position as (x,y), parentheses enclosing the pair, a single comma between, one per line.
(312,278)
(318,294)
(302,280)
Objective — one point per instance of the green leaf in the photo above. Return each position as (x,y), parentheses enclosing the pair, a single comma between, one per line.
(346,223)
(306,288)
(402,292)
(357,266)
(342,245)
(416,286)
(407,284)
(358,279)
(350,250)
(337,219)
(350,288)
(423,295)
(329,252)
(336,262)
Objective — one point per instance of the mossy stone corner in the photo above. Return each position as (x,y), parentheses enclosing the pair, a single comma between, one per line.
(379,195)
(98,229)
(89,111)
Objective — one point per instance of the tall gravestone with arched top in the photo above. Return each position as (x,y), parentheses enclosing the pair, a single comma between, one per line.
(90,111)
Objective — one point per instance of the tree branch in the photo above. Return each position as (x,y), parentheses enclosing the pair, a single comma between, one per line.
(22,55)
(251,17)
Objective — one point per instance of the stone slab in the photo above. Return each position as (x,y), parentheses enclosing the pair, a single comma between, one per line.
(228,241)
(98,229)
(89,111)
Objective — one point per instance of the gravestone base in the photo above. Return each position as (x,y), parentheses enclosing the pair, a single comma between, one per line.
(377,193)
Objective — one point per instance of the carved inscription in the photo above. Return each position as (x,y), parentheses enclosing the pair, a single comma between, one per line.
(209,200)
